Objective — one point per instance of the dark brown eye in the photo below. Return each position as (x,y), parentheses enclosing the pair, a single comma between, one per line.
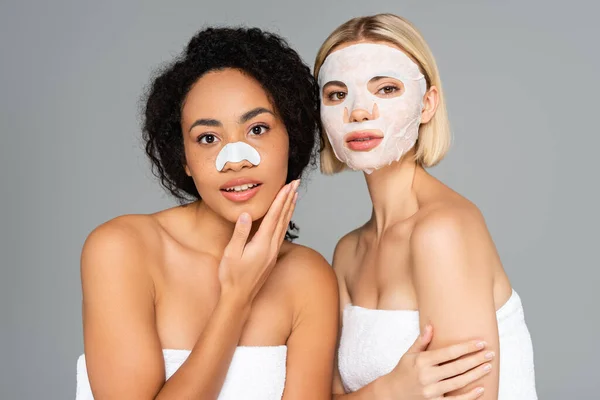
(259,129)
(207,139)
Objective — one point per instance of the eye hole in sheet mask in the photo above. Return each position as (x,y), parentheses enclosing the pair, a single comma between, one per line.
(380,86)
(371,104)
(386,87)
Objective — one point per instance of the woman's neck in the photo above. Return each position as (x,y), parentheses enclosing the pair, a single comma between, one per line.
(392,192)
(212,231)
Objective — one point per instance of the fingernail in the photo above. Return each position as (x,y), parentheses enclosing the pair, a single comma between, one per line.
(480,345)
(245,218)
(479,390)
(297,183)
(295,198)
(487,367)
(489,355)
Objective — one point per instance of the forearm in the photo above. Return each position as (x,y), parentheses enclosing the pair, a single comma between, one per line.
(202,375)
(374,390)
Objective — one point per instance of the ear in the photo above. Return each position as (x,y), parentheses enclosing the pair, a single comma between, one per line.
(431,100)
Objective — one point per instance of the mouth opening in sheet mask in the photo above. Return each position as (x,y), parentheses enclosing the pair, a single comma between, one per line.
(372,113)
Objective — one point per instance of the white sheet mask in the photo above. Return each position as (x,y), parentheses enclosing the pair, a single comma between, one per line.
(236,152)
(397,118)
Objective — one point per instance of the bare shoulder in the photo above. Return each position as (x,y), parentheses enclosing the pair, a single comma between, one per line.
(305,273)
(121,245)
(304,263)
(447,221)
(348,242)
(127,233)
(345,250)
(452,234)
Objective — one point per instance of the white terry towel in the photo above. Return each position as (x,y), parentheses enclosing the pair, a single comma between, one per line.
(373,341)
(255,373)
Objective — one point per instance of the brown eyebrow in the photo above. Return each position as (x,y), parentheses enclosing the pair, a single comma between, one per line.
(376,79)
(206,122)
(334,83)
(253,113)
(247,116)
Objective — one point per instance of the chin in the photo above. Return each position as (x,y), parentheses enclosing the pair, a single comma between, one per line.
(256,209)
(257,206)
(361,166)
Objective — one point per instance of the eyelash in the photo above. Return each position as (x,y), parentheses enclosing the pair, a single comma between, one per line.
(264,126)
(334,96)
(205,135)
(201,138)
(394,87)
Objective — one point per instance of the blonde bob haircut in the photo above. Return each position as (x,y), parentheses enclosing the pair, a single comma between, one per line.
(434,136)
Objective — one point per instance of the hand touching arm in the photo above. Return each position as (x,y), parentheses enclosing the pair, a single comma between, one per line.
(453,261)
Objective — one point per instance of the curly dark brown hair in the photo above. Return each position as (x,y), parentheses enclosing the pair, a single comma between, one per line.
(264,56)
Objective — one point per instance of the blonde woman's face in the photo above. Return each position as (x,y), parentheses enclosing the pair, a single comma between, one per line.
(371,103)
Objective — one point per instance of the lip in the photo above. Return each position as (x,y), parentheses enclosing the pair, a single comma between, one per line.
(240,181)
(363,141)
(240,196)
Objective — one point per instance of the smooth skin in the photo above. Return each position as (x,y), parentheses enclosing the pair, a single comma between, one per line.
(205,277)
(425,248)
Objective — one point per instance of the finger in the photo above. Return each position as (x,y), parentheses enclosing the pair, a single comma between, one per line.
(235,247)
(269,222)
(473,394)
(463,380)
(422,341)
(286,215)
(453,352)
(462,365)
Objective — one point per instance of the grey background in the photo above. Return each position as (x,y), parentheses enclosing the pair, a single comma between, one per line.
(522,85)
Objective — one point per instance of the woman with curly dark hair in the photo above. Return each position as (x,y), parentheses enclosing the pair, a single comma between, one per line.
(179,304)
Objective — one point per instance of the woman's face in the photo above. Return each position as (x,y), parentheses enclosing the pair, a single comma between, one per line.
(372,100)
(228,106)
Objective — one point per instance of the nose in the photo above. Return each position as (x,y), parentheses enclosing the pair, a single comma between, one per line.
(236,166)
(360,114)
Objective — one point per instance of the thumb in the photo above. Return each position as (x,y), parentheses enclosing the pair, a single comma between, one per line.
(423,340)
(235,247)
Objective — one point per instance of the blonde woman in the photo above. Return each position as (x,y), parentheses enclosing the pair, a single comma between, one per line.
(425,257)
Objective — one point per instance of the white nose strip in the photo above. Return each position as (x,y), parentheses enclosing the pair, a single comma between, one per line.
(236,152)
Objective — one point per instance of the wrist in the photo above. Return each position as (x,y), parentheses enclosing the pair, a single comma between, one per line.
(382,388)
(233,299)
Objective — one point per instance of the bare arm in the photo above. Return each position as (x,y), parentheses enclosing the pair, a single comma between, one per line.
(123,351)
(311,345)
(202,375)
(453,256)
(420,373)
(122,348)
